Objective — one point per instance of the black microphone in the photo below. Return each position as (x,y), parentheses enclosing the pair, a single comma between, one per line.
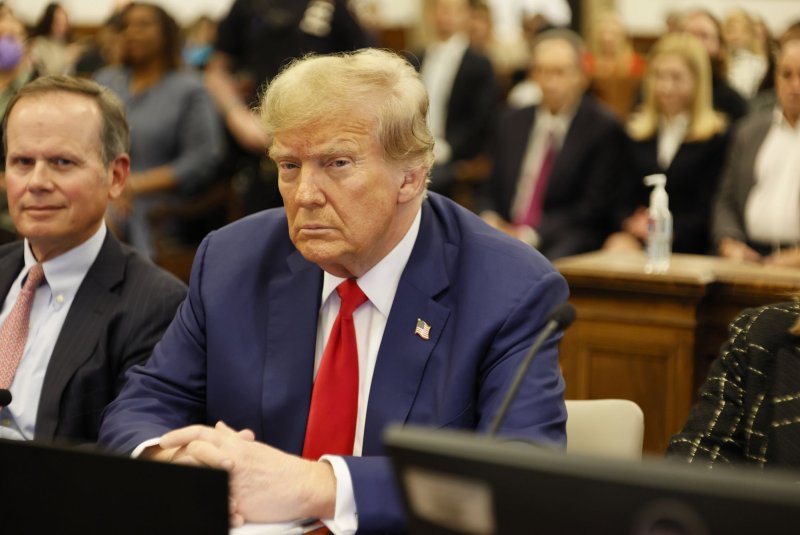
(5,397)
(561,317)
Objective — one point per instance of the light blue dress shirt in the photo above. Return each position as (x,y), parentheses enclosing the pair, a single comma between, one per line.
(63,276)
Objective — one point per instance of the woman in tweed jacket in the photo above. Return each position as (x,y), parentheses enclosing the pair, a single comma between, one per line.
(748,410)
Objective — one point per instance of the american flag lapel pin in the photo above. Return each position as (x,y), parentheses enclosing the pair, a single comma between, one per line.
(423,330)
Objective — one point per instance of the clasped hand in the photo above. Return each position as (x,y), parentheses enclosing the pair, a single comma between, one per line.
(266,484)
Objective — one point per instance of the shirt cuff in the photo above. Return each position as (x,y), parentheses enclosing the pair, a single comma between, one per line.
(146,444)
(345,519)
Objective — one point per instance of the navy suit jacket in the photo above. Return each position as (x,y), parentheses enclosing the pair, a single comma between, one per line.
(241,348)
(578,205)
(120,311)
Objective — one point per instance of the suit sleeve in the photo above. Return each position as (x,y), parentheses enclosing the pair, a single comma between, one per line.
(537,414)
(727,219)
(167,392)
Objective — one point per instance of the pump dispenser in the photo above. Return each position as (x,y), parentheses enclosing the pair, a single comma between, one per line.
(659,226)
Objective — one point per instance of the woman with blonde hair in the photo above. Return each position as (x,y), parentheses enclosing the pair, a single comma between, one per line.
(676,132)
(613,65)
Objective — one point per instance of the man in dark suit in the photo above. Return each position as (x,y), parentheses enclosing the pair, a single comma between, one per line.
(451,308)
(555,164)
(462,91)
(100,307)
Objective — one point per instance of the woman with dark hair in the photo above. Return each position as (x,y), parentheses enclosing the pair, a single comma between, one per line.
(176,136)
(51,51)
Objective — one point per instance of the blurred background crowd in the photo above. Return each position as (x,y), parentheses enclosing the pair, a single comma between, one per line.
(547,115)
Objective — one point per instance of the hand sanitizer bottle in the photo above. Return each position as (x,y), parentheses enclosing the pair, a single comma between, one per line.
(659,226)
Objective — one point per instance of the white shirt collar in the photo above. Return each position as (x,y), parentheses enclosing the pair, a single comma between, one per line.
(455,44)
(65,273)
(779,120)
(379,284)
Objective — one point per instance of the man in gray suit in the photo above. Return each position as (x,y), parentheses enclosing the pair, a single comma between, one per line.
(100,307)
(757,208)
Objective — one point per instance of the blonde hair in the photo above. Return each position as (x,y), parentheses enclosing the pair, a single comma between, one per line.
(704,122)
(624,47)
(318,89)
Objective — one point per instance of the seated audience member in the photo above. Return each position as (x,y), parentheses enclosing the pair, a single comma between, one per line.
(462,91)
(105,49)
(747,409)
(676,133)
(51,49)
(756,210)
(747,55)
(707,28)
(382,303)
(615,69)
(509,56)
(15,71)
(176,133)
(199,42)
(555,166)
(79,307)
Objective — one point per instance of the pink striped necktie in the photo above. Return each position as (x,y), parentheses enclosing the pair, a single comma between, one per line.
(533,214)
(331,427)
(14,332)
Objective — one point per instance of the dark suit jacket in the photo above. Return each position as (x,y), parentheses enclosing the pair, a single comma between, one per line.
(241,348)
(120,311)
(692,177)
(471,105)
(738,177)
(748,410)
(578,205)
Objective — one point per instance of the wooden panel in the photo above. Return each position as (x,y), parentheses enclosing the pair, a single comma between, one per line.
(650,338)
(652,366)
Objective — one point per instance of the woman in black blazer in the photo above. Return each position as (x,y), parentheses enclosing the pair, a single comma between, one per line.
(677,133)
(748,410)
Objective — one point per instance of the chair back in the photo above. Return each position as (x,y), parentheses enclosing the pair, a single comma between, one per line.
(605,427)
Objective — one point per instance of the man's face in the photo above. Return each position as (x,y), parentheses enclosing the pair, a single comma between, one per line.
(342,200)
(702,27)
(558,72)
(787,80)
(58,186)
(450,17)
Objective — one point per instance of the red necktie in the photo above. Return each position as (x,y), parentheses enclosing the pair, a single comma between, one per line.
(14,332)
(331,425)
(533,214)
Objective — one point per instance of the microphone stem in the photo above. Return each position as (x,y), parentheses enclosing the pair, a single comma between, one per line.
(551,326)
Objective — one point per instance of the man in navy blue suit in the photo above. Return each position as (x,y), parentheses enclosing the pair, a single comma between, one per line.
(451,308)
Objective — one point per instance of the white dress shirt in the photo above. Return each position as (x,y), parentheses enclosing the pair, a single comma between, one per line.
(671,133)
(51,303)
(544,125)
(772,211)
(380,285)
(438,72)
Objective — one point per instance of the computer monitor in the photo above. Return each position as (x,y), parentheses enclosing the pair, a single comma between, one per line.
(46,489)
(456,482)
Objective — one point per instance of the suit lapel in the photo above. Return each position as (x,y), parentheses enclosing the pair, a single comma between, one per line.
(10,266)
(81,332)
(294,300)
(403,354)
